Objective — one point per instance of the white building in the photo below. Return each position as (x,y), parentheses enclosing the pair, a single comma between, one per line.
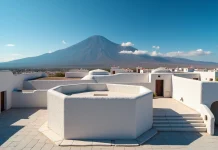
(188,69)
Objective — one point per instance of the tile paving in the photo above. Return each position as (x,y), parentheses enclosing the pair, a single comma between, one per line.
(19,131)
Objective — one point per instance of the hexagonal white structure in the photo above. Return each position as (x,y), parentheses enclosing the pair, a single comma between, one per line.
(100,111)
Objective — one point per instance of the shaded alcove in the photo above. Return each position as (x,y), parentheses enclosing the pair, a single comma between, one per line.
(214,109)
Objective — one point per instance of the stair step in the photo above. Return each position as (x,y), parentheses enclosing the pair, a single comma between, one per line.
(181,115)
(180,125)
(177,118)
(196,129)
(177,121)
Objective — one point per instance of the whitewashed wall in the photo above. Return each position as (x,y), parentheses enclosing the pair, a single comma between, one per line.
(187,89)
(48,84)
(188,75)
(19,79)
(148,85)
(9,82)
(123,78)
(6,84)
(206,76)
(79,74)
(95,118)
(29,99)
(209,93)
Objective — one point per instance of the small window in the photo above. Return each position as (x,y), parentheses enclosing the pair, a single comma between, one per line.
(195,78)
(211,79)
(158,76)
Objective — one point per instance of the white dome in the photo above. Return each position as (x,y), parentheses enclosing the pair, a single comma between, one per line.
(161,70)
(98,72)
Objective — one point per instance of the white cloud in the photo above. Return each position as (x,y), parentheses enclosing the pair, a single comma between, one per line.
(64,42)
(50,52)
(9,45)
(198,52)
(193,53)
(155,53)
(136,52)
(127,44)
(156,47)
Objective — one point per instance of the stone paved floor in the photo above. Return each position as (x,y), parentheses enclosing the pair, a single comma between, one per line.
(19,130)
(169,106)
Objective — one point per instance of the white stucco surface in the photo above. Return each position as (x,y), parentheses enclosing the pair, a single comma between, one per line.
(123,78)
(209,93)
(28,99)
(79,74)
(82,116)
(48,84)
(207,76)
(188,75)
(187,91)
(208,118)
(9,82)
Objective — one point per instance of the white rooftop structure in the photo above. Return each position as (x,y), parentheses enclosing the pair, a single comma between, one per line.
(98,72)
(100,111)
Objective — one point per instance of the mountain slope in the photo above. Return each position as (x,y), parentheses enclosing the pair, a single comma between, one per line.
(96,51)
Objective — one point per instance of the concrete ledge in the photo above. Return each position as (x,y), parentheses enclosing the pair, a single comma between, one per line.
(61,142)
(146,136)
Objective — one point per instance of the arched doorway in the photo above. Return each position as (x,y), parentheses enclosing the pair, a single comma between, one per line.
(214,110)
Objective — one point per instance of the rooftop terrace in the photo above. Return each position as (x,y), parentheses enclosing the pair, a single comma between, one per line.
(19,130)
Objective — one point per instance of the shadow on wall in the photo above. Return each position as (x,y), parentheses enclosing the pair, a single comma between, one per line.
(12,121)
(214,110)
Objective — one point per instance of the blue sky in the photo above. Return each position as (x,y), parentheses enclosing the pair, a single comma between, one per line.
(157,27)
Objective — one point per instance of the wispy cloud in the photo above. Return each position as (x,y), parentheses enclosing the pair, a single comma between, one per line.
(11,57)
(64,42)
(50,52)
(192,53)
(156,47)
(127,44)
(136,52)
(9,45)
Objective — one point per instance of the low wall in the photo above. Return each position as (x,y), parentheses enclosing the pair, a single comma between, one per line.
(100,117)
(208,118)
(123,78)
(48,84)
(209,93)
(188,75)
(29,99)
(19,79)
(76,74)
(146,85)
(187,91)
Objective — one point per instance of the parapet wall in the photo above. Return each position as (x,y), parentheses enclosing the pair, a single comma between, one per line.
(48,84)
(187,91)
(123,78)
(76,74)
(29,99)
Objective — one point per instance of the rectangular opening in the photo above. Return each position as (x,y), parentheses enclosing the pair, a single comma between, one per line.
(113,72)
(159,87)
(98,94)
(2,100)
